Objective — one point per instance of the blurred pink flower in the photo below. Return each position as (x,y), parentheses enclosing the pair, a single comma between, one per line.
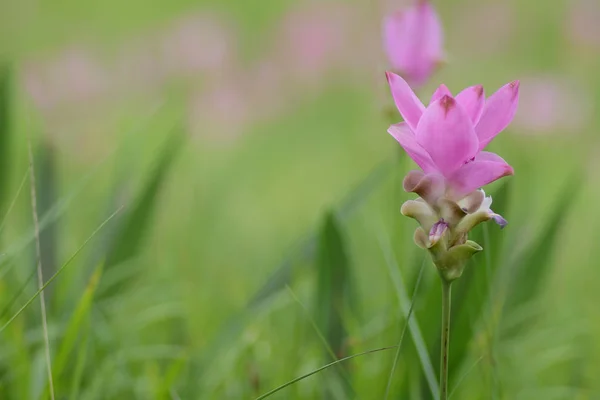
(221,113)
(582,23)
(79,75)
(73,76)
(314,38)
(200,43)
(448,136)
(413,41)
(552,104)
(35,82)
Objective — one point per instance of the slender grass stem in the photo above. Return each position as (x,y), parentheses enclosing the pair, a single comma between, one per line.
(39,270)
(445,346)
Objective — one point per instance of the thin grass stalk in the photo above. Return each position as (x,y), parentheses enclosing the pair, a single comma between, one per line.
(40,275)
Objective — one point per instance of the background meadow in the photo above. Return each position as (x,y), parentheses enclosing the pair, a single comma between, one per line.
(258,233)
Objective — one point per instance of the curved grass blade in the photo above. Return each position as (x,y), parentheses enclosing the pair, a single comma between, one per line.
(529,271)
(410,310)
(75,323)
(462,378)
(313,323)
(129,234)
(58,272)
(5,128)
(298,379)
(413,325)
(333,288)
(39,259)
(130,238)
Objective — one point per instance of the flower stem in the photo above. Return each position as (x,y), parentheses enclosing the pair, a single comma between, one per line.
(446,299)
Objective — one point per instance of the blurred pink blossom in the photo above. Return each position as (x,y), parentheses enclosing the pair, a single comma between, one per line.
(200,43)
(220,113)
(413,41)
(79,75)
(552,104)
(582,23)
(73,76)
(316,37)
(36,84)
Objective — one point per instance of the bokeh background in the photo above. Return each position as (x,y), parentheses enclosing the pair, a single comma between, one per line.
(260,235)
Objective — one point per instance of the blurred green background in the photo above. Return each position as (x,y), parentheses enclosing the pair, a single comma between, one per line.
(260,235)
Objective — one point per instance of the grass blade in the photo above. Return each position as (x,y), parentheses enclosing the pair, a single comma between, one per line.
(5,128)
(75,324)
(128,241)
(129,234)
(410,310)
(333,275)
(38,251)
(529,271)
(59,271)
(313,323)
(46,197)
(298,379)
(413,325)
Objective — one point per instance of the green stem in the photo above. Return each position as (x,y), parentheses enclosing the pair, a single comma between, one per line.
(446,300)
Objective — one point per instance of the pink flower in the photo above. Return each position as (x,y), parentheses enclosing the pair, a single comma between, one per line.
(413,41)
(447,137)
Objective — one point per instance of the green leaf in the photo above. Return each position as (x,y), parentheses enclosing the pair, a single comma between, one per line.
(74,327)
(5,129)
(332,286)
(528,272)
(128,235)
(333,280)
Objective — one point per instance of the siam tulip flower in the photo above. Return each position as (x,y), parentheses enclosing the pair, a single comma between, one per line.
(447,138)
(413,42)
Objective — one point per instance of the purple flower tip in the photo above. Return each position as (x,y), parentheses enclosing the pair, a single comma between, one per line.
(499,220)
(479,90)
(447,103)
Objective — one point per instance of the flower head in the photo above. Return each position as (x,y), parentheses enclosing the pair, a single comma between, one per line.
(413,41)
(447,137)
(446,140)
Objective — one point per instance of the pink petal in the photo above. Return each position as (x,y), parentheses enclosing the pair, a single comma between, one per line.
(472,100)
(405,136)
(407,102)
(499,111)
(486,168)
(440,92)
(447,134)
